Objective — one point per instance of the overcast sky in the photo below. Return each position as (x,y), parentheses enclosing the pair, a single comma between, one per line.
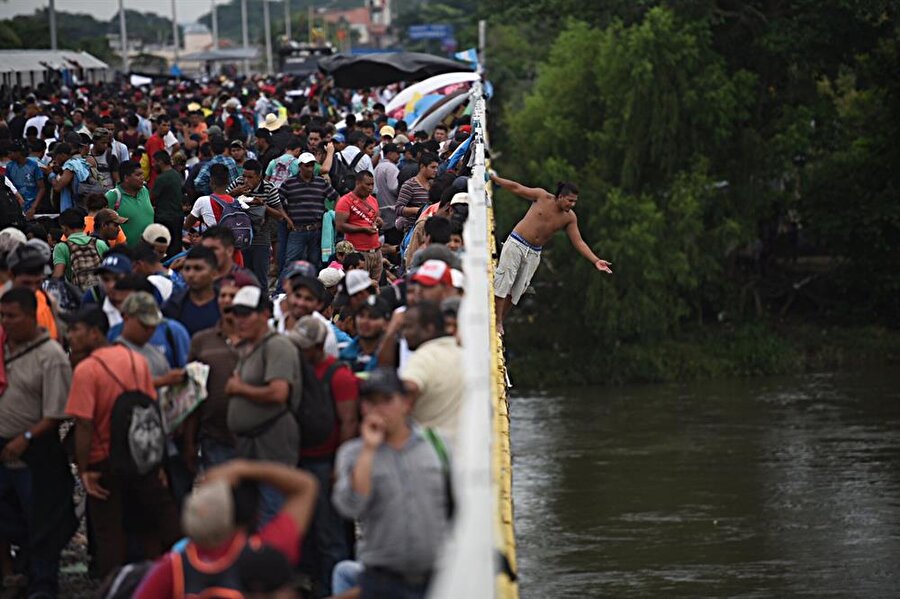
(188,10)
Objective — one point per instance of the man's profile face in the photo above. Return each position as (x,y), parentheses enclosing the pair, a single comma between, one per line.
(566,202)
(429,171)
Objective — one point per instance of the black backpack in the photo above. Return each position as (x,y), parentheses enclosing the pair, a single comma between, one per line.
(137,434)
(343,175)
(11,214)
(316,414)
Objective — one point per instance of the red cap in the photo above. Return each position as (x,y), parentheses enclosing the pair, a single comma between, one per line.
(434,272)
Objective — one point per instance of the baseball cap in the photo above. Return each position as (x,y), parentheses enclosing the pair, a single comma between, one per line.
(25,257)
(249,299)
(375,306)
(338,137)
(311,283)
(156,233)
(10,238)
(330,276)
(100,133)
(208,513)
(308,332)
(236,143)
(92,316)
(306,158)
(381,380)
(356,281)
(344,247)
(436,251)
(142,306)
(116,264)
(108,215)
(387,130)
(434,272)
(460,198)
(300,267)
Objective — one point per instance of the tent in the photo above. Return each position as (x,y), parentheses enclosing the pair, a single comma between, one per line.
(428,87)
(371,70)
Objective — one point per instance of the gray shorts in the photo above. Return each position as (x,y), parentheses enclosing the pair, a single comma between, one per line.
(518,263)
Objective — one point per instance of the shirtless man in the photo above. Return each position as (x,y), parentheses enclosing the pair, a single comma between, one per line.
(522,251)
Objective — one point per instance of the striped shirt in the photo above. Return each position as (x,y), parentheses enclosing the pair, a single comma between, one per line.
(305,201)
(412,195)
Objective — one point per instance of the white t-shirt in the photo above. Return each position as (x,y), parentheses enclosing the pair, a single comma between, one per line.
(435,369)
(35,121)
(203,211)
(364,164)
(279,317)
(170,140)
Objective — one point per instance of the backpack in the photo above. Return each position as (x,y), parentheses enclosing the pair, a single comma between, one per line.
(11,214)
(84,260)
(137,443)
(237,220)
(316,414)
(280,173)
(92,184)
(343,175)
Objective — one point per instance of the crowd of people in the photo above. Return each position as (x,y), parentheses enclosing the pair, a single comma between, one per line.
(228,339)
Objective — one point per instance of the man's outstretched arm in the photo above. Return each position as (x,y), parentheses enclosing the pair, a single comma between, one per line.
(583,248)
(532,194)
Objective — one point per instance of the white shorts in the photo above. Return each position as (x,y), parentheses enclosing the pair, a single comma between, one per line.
(518,263)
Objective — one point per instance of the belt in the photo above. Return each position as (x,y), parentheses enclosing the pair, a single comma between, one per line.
(307,226)
(375,251)
(516,237)
(416,580)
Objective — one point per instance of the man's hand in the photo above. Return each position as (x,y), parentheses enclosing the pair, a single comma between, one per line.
(603,266)
(234,385)
(394,325)
(379,222)
(372,431)
(91,483)
(290,223)
(173,377)
(14,449)
(29,215)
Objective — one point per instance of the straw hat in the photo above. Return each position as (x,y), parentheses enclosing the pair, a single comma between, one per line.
(273,123)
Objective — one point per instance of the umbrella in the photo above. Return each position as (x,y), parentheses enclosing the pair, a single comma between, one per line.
(428,86)
(439,111)
(372,70)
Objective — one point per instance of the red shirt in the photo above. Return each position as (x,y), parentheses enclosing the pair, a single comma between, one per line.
(360,213)
(154,144)
(281,533)
(94,390)
(344,388)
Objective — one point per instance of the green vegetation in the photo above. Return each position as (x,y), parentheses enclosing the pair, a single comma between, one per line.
(737,165)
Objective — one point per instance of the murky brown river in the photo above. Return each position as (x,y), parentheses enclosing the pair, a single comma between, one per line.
(779,487)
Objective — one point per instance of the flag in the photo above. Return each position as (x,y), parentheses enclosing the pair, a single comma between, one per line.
(470,55)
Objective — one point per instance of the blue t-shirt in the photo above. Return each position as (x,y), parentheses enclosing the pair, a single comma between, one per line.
(174,344)
(359,362)
(198,318)
(25,178)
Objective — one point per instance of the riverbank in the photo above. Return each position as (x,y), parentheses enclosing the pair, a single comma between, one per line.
(537,360)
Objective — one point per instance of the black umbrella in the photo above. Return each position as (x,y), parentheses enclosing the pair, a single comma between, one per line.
(371,70)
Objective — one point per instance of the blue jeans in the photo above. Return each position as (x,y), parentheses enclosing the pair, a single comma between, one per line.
(214,453)
(376,585)
(304,245)
(326,542)
(345,576)
(282,247)
(256,258)
(16,482)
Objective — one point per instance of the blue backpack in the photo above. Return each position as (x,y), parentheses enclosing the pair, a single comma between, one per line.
(237,220)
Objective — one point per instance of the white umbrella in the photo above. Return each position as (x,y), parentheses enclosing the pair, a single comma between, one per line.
(429,85)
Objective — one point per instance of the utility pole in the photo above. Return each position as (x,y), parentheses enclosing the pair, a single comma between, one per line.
(482,43)
(123,37)
(287,19)
(175,32)
(268,33)
(52,12)
(245,34)
(215,24)
(309,22)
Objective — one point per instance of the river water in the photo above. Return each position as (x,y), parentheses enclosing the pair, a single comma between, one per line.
(776,487)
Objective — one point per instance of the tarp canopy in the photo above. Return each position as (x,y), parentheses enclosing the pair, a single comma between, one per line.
(372,70)
(37,60)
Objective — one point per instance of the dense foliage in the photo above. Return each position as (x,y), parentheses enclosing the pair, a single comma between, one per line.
(737,159)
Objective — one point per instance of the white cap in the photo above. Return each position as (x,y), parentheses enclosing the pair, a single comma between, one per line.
(306,158)
(330,276)
(357,280)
